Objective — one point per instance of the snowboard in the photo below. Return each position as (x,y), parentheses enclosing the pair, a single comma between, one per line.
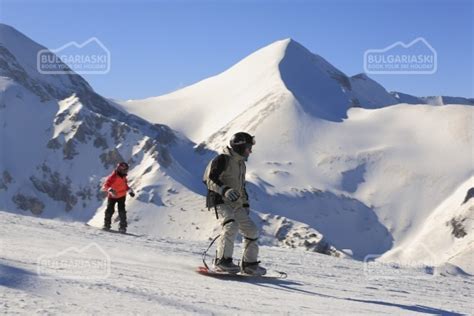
(218,274)
(113,231)
(117,232)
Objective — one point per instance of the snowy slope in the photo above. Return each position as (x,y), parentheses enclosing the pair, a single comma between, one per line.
(334,175)
(433,100)
(370,94)
(72,138)
(446,235)
(65,150)
(114,274)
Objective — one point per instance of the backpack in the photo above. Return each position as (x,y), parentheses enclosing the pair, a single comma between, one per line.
(213,198)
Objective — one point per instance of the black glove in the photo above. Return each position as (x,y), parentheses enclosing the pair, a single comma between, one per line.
(112,192)
(131,193)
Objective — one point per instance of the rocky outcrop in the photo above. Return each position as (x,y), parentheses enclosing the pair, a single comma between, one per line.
(28,203)
(56,186)
(457,226)
(5,180)
(111,158)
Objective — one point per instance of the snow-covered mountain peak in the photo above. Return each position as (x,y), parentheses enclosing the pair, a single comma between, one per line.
(18,63)
(214,102)
(19,55)
(19,45)
(284,70)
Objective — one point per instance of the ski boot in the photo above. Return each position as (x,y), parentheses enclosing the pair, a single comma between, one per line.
(226,265)
(253,268)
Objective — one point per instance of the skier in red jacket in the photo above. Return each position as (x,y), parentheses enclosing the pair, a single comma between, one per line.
(117,187)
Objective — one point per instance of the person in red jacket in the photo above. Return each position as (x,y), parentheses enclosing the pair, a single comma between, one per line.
(117,187)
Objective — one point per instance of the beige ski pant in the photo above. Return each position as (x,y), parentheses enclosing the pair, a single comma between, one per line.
(235,220)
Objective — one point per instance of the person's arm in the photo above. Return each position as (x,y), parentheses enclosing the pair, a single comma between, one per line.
(108,185)
(126,183)
(129,189)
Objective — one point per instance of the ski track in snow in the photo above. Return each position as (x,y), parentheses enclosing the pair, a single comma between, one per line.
(151,275)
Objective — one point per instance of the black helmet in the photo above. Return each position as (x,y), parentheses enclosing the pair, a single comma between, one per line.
(240,141)
(122,168)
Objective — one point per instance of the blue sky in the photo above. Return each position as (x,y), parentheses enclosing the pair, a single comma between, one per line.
(159,46)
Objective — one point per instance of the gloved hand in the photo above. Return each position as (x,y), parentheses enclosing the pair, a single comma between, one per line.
(232,195)
(112,192)
(131,193)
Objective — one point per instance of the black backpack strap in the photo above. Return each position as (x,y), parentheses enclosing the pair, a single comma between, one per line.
(218,165)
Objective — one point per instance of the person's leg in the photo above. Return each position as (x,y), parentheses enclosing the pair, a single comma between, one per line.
(225,244)
(109,211)
(122,213)
(249,232)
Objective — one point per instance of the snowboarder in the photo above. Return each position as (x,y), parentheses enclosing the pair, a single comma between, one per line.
(225,180)
(116,187)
